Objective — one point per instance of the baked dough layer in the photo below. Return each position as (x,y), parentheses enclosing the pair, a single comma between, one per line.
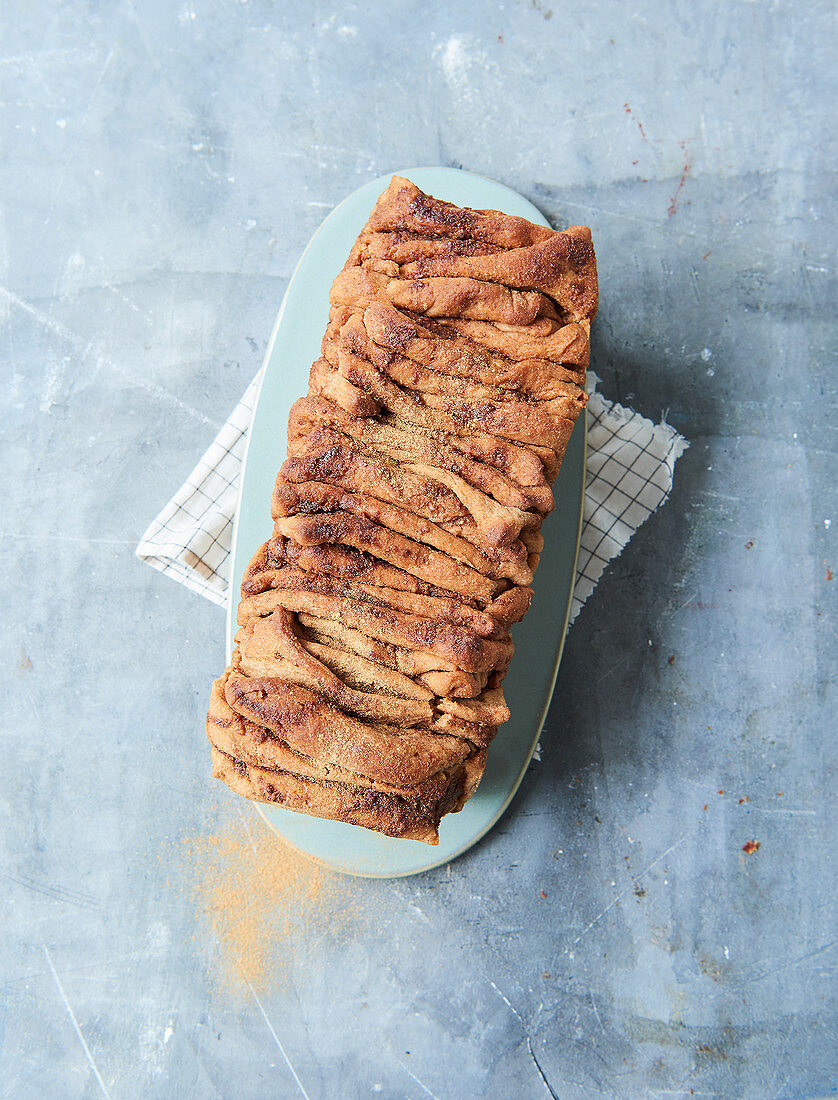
(367,679)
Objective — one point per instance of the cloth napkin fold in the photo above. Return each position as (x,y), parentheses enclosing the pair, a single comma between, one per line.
(630,467)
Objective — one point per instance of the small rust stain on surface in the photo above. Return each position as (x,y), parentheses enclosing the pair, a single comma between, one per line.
(636,121)
(749,545)
(750,847)
(685,171)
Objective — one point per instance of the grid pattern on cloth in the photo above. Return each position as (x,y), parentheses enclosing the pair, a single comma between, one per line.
(630,466)
(190,539)
(629,472)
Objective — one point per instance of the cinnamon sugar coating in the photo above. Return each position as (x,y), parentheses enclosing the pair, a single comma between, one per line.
(367,680)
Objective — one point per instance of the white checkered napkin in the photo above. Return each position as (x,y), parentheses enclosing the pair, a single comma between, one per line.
(630,467)
(190,539)
(631,463)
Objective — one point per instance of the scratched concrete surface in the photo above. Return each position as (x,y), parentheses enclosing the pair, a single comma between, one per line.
(163,165)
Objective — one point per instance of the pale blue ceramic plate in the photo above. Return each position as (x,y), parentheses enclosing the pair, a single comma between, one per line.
(294,345)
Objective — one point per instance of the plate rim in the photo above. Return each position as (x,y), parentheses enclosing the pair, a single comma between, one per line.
(232,602)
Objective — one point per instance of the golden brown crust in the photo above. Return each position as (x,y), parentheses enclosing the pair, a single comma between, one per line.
(364,806)
(366,683)
(403,207)
(315,728)
(260,747)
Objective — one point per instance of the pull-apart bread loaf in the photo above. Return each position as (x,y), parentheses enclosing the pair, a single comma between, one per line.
(366,682)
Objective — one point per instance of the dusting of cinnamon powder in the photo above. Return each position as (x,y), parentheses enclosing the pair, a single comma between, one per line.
(263,902)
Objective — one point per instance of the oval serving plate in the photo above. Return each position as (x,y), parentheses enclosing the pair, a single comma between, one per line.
(294,345)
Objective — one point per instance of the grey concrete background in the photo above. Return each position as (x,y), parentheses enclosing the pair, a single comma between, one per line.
(163,165)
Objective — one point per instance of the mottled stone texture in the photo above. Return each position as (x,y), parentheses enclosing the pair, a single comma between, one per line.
(163,165)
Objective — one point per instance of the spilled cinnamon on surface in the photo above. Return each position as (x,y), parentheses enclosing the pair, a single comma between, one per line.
(263,901)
